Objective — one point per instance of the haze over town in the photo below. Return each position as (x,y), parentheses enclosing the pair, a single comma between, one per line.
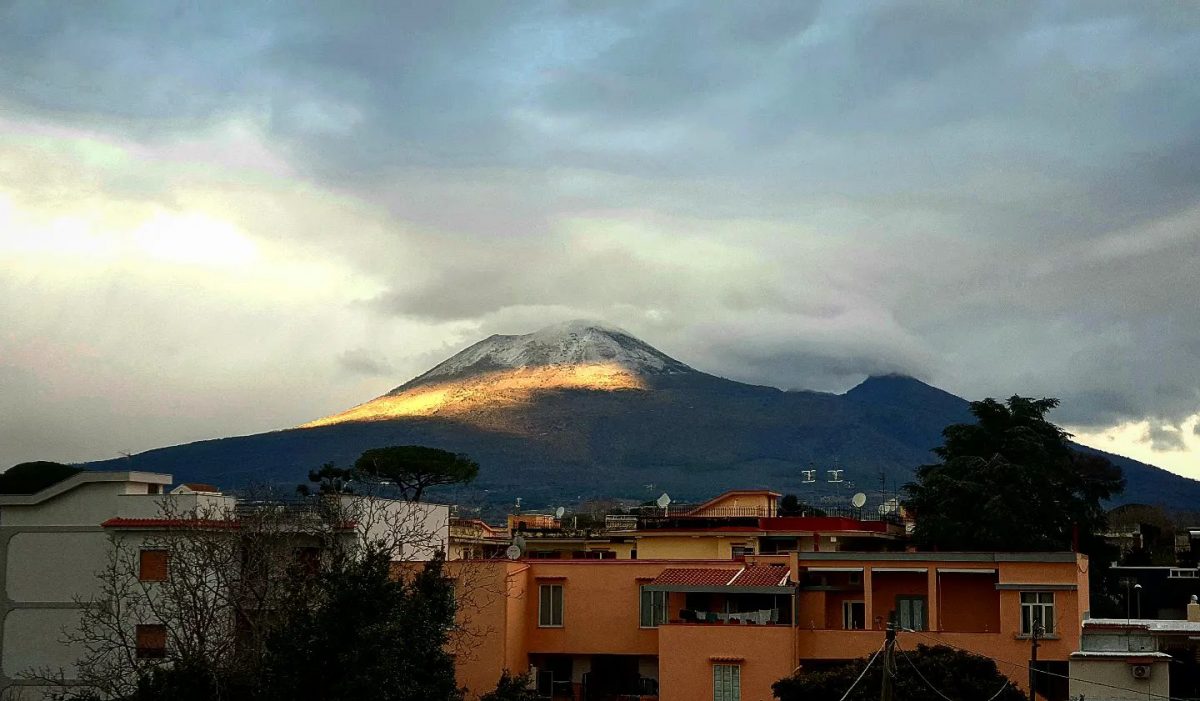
(232,218)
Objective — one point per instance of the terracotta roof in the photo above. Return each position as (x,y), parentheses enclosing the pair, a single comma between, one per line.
(697,576)
(769,576)
(200,487)
(760,576)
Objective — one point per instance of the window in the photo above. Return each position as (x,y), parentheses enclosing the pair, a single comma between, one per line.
(545,555)
(550,605)
(152,565)
(911,610)
(855,578)
(1037,607)
(742,551)
(854,615)
(727,682)
(151,641)
(654,608)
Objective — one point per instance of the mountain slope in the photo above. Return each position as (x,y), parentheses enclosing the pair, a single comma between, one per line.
(582,410)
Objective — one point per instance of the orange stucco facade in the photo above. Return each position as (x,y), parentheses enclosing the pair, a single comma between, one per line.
(579,623)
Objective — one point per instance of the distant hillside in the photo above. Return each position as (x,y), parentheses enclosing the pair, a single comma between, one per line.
(583,410)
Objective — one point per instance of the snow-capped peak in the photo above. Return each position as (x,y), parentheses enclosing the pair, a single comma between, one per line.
(576,342)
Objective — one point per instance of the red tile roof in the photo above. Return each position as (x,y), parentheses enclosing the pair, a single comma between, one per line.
(769,576)
(697,576)
(759,576)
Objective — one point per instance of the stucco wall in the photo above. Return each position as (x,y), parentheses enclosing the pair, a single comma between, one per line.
(969,603)
(32,640)
(1116,673)
(687,654)
(54,566)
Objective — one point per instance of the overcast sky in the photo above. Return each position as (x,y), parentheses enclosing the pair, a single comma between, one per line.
(224,218)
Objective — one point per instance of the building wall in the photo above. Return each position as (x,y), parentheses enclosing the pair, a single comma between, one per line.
(1094,679)
(969,603)
(687,654)
(682,547)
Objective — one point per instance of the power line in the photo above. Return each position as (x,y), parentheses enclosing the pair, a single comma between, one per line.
(863,673)
(1046,672)
(933,688)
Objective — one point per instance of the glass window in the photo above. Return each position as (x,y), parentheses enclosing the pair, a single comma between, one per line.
(654,608)
(854,615)
(550,605)
(911,610)
(727,682)
(1037,608)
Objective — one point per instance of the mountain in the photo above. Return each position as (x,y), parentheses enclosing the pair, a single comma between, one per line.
(583,409)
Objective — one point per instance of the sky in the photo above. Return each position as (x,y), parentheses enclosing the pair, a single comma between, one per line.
(224,218)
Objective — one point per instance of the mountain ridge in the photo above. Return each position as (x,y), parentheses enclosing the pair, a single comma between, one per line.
(551,430)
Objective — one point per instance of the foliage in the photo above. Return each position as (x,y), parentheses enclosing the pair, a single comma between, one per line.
(791,505)
(511,688)
(273,601)
(956,674)
(415,468)
(1010,481)
(369,637)
(330,479)
(30,477)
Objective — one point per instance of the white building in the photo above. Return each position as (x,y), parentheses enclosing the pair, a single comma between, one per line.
(53,542)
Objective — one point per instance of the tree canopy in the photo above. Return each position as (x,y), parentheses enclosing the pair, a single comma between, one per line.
(415,468)
(1010,481)
(30,477)
(956,674)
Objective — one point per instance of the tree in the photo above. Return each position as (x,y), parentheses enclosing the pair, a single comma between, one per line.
(30,477)
(369,636)
(1011,481)
(511,688)
(272,600)
(415,468)
(330,479)
(956,674)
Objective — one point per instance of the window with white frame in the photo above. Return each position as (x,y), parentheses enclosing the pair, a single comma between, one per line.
(727,682)
(1037,608)
(654,608)
(550,605)
(854,615)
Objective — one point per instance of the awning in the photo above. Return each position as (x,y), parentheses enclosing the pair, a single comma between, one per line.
(771,579)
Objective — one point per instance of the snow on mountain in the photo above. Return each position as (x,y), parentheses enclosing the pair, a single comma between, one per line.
(573,343)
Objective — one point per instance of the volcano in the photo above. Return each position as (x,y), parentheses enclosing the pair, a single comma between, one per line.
(584,409)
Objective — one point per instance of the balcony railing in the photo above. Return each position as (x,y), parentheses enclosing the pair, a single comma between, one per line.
(759,617)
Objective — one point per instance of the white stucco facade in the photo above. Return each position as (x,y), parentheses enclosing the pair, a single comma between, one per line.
(53,542)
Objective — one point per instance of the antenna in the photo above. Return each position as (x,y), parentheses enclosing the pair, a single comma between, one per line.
(835,476)
(518,503)
(859,500)
(808,476)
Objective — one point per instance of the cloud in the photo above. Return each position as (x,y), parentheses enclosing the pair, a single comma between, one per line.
(997,198)
(1164,438)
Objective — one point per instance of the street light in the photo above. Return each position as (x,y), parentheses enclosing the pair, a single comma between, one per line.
(1138,588)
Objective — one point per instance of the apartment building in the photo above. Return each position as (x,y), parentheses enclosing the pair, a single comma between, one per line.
(53,542)
(734,524)
(724,628)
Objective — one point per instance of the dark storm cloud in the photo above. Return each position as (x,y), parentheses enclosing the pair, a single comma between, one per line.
(363,361)
(1000,197)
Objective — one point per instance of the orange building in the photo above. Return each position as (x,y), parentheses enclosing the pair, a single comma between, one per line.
(683,630)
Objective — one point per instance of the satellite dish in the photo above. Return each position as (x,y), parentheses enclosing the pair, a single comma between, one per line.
(889,507)
(513,552)
(558,513)
(859,500)
(664,501)
(519,542)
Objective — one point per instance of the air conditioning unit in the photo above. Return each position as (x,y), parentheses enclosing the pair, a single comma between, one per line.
(1140,671)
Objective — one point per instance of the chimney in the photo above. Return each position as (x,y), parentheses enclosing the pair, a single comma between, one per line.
(1193,610)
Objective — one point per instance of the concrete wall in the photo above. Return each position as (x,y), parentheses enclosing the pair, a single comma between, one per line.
(1094,679)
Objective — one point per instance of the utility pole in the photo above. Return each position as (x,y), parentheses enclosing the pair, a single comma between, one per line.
(886,692)
(1033,648)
